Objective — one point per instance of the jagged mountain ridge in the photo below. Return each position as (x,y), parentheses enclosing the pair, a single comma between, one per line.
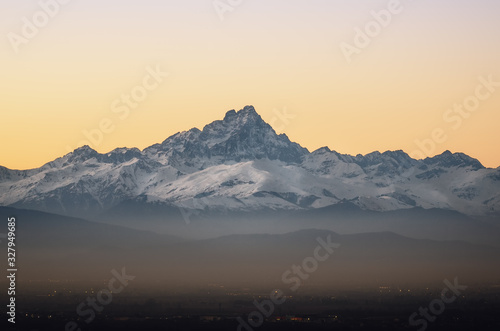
(240,163)
(239,136)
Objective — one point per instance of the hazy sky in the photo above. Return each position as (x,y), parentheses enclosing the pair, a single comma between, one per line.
(278,55)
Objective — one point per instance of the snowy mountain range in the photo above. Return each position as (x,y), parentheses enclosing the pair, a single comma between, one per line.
(241,164)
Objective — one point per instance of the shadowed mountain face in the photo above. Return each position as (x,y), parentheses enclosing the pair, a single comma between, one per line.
(238,137)
(58,247)
(240,164)
(343,218)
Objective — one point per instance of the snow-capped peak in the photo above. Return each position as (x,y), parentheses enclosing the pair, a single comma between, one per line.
(240,162)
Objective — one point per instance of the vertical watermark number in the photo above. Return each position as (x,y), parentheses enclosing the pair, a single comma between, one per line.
(11,268)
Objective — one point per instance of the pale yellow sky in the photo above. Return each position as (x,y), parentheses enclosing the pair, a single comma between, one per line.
(394,94)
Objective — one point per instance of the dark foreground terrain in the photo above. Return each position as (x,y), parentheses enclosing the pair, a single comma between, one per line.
(79,275)
(386,308)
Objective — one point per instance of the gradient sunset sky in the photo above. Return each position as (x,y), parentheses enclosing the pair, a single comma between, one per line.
(278,55)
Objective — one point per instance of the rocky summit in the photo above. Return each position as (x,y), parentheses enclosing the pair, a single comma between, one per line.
(241,163)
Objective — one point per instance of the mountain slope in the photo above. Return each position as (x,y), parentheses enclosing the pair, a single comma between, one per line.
(61,248)
(241,164)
